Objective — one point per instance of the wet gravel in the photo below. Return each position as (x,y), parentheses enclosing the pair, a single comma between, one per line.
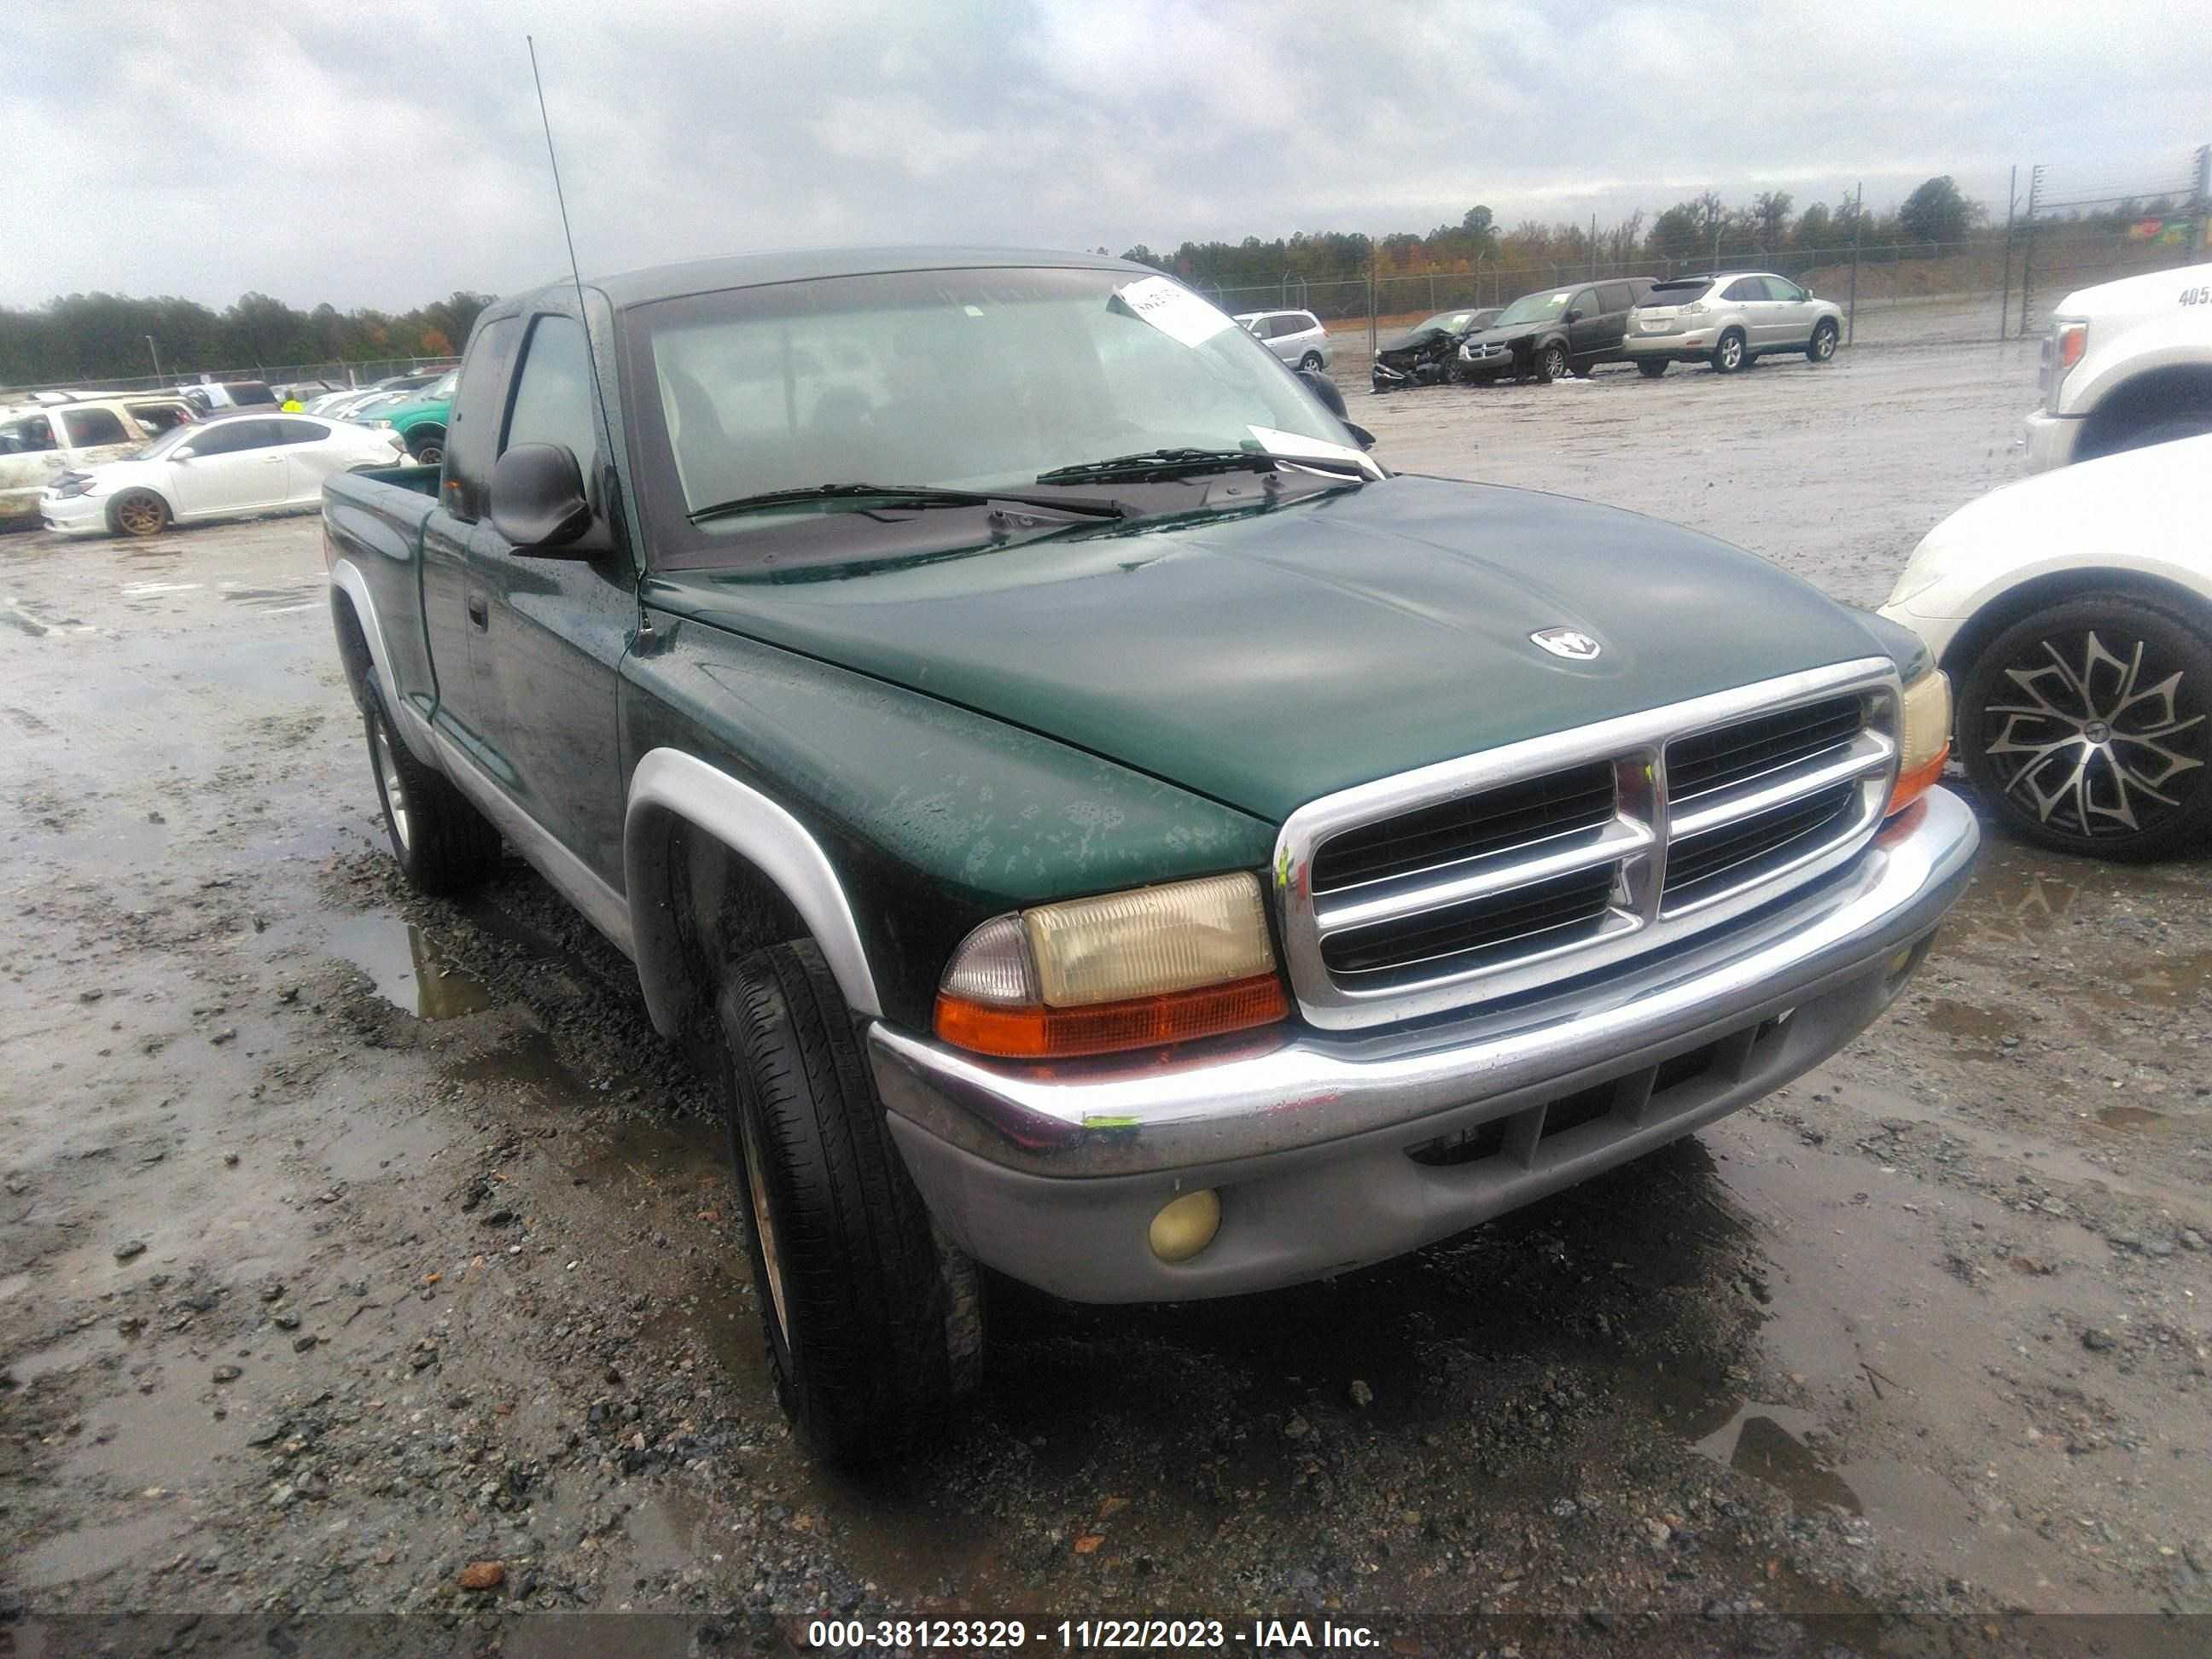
(367,1253)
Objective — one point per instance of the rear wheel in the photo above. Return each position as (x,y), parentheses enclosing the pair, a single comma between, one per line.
(1584,371)
(873,1318)
(1822,346)
(1651,367)
(1729,354)
(444,845)
(2084,727)
(138,513)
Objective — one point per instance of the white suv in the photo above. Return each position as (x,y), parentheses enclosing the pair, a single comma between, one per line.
(1728,320)
(1296,336)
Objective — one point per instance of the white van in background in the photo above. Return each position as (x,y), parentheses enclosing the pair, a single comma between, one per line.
(2125,364)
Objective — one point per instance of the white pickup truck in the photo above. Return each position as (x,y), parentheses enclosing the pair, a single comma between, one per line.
(2125,364)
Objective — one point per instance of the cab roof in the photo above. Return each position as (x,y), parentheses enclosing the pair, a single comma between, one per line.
(655,283)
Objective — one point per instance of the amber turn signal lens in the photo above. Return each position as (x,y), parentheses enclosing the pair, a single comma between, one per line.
(1102,1028)
(1911,786)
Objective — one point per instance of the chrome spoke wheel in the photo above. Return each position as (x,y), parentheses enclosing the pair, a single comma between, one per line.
(2095,731)
(395,787)
(763,1222)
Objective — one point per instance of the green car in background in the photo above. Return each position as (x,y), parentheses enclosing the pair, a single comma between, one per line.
(420,420)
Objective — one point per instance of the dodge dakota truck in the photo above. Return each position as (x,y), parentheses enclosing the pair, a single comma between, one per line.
(1097,822)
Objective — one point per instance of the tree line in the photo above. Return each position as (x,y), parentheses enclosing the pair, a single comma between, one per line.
(1703,228)
(107,336)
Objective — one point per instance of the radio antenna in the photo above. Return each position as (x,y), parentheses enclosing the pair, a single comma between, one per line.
(576,271)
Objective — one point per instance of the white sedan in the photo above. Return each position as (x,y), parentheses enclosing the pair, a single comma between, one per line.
(214,469)
(2073,611)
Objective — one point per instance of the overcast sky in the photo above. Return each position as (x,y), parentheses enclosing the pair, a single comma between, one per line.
(384,155)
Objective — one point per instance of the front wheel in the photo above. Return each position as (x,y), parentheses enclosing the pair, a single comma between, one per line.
(2084,725)
(138,513)
(429,451)
(873,1319)
(1728,355)
(1651,367)
(1822,346)
(1551,363)
(1311,363)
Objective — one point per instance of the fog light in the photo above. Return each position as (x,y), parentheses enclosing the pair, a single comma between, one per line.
(1186,1225)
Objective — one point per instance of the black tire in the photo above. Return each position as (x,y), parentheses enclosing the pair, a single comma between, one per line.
(138,513)
(2021,724)
(1311,361)
(1821,348)
(427,448)
(1652,368)
(873,1318)
(1584,371)
(444,845)
(1731,352)
(1551,363)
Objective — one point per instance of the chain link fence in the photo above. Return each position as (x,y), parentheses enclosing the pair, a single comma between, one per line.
(331,375)
(1993,287)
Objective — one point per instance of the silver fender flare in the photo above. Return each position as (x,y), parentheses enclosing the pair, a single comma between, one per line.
(668,784)
(346,577)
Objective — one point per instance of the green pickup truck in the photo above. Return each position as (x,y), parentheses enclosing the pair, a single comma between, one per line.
(420,419)
(1099,823)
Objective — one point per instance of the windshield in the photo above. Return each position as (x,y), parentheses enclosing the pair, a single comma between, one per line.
(1452,322)
(443,387)
(168,441)
(1533,308)
(964,379)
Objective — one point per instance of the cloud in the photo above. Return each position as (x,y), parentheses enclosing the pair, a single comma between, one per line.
(386,157)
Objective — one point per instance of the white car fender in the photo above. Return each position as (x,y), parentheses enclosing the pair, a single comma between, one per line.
(2120,354)
(2134,513)
(112,479)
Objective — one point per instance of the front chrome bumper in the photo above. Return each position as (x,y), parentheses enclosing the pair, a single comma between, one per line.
(1052,1173)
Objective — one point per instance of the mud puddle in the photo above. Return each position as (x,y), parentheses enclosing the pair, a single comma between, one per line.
(410,969)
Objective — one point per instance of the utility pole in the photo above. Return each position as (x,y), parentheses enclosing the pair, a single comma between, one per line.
(2004,301)
(1858,229)
(1593,244)
(157,356)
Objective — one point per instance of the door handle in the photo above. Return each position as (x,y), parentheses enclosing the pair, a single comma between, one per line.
(479,612)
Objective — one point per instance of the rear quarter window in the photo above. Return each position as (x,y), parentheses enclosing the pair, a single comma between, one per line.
(89,428)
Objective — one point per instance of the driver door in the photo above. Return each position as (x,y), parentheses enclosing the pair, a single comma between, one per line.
(1793,312)
(234,466)
(1588,336)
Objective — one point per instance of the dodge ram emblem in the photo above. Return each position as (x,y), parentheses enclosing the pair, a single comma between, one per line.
(1569,642)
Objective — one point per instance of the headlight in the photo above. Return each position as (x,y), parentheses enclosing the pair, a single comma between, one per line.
(1924,739)
(71,484)
(386,425)
(1127,971)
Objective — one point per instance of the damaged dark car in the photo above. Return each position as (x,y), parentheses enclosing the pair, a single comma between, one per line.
(1427,354)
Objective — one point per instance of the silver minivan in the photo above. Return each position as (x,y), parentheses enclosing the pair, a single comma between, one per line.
(1296,336)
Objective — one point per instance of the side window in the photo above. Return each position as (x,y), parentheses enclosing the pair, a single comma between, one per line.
(1586,303)
(553,392)
(472,427)
(1307,322)
(1781,288)
(87,428)
(1615,296)
(298,432)
(158,418)
(228,437)
(247,393)
(31,435)
(1746,287)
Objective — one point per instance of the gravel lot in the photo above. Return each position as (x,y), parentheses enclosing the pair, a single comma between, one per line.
(352,1241)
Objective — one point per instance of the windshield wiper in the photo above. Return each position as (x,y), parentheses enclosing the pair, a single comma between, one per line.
(909,496)
(1163,464)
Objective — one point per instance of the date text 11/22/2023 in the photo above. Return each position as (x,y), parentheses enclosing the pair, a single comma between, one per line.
(1089,1635)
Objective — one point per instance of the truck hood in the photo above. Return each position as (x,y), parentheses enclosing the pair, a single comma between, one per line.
(1268,659)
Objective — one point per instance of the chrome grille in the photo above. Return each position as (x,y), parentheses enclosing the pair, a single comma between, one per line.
(1503,871)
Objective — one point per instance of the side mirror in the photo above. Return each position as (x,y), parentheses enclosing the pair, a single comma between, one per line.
(184,454)
(1325,389)
(1365,438)
(537,500)
(1574,316)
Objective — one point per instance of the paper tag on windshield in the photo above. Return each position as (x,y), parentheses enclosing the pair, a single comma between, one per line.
(1172,309)
(1292,444)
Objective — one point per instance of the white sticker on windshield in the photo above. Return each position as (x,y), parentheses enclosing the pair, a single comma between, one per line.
(1174,310)
(1292,444)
